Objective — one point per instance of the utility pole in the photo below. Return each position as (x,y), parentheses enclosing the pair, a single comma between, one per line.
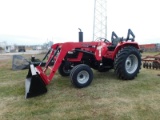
(100,19)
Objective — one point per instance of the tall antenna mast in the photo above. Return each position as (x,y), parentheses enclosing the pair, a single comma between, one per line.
(100,19)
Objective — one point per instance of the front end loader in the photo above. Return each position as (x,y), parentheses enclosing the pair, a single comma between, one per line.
(75,59)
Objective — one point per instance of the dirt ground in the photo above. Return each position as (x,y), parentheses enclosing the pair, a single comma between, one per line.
(5,57)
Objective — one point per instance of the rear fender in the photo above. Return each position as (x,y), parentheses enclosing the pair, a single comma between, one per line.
(122,45)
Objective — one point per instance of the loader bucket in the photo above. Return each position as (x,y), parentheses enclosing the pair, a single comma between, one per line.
(34,84)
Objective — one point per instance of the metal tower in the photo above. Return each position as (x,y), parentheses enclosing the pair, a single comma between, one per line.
(100,19)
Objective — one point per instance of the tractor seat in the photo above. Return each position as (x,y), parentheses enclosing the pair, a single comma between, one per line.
(114,44)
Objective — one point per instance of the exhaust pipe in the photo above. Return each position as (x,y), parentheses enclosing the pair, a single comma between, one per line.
(80,35)
(34,84)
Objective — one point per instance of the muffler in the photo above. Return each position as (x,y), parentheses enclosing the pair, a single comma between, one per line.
(34,85)
(80,35)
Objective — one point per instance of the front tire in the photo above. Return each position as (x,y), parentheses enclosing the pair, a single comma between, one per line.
(64,69)
(127,63)
(81,76)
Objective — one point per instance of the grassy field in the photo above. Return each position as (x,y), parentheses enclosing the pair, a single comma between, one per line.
(107,98)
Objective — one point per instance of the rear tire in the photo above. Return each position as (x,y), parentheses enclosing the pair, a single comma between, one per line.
(127,63)
(81,76)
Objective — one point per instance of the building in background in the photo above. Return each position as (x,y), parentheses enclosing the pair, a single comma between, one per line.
(150,47)
(4,47)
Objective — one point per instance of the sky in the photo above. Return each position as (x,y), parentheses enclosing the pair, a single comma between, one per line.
(33,22)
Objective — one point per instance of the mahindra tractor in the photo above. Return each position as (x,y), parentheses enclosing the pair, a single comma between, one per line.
(79,59)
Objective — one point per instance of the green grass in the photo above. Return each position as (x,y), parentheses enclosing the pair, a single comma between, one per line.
(107,98)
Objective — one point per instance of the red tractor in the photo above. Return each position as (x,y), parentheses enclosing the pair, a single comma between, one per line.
(75,59)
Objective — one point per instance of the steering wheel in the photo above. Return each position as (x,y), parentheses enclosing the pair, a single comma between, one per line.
(104,40)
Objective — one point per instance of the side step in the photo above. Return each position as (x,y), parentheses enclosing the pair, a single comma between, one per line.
(34,84)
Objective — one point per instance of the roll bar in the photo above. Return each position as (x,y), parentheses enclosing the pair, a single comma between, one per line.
(130,36)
